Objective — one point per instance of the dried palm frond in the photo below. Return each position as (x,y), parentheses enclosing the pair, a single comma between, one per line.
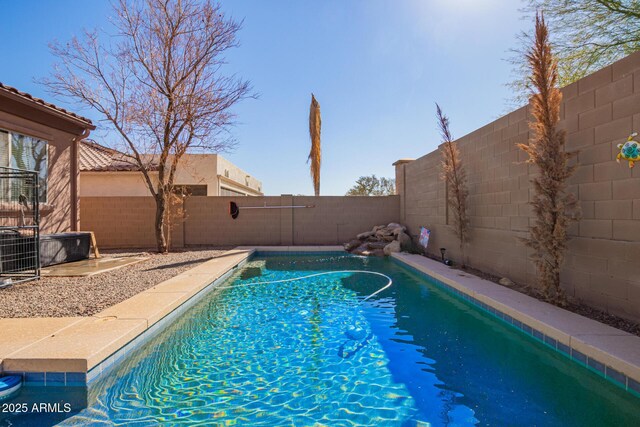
(315,155)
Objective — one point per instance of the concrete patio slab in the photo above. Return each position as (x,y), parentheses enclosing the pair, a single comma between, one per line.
(89,267)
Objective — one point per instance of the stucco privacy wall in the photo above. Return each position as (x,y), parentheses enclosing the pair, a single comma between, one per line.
(128,221)
(603,262)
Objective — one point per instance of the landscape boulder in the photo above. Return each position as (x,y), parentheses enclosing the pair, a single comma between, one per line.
(505,281)
(380,240)
(366,234)
(398,230)
(363,249)
(376,245)
(352,245)
(392,247)
(404,239)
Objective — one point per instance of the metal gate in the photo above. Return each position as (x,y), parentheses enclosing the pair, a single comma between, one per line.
(19,226)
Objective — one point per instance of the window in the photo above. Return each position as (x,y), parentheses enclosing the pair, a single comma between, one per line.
(190,190)
(26,153)
(229,192)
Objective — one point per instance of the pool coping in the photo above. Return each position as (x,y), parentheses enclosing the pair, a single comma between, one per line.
(610,352)
(73,351)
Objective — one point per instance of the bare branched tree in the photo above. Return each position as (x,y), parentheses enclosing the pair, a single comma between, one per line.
(587,35)
(157,83)
(315,155)
(553,207)
(455,177)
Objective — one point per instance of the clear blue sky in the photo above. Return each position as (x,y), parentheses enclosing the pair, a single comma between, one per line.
(375,66)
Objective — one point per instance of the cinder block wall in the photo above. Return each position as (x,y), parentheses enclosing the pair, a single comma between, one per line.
(125,222)
(603,262)
(128,221)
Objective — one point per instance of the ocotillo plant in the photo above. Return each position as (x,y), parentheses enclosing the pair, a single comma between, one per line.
(315,155)
(553,207)
(454,175)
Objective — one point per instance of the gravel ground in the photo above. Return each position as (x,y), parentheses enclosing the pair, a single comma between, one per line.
(573,305)
(86,296)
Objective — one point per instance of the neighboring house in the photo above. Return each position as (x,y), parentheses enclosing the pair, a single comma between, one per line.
(37,135)
(106,172)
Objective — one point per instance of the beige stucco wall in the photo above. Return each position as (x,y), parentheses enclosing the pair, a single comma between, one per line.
(128,221)
(199,169)
(60,212)
(602,266)
(194,169)
(113,184)
(236,175)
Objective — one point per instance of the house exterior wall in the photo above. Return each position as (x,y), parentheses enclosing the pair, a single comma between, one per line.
(193,169)
(601,268)
(236,176)
(199,169)
(61,211)
(128,221)
(113,184)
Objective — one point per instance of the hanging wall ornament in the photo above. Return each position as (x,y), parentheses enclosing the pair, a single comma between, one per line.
(630,150)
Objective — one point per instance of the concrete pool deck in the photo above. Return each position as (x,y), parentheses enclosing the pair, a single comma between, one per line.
(59,351)
(78,344)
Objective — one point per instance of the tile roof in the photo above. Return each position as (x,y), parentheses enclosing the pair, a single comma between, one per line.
(98,158)
(44,103)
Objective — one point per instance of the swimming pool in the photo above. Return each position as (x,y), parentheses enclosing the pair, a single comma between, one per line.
(312,352)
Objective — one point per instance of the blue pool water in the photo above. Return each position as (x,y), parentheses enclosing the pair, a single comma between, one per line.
(311,352)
